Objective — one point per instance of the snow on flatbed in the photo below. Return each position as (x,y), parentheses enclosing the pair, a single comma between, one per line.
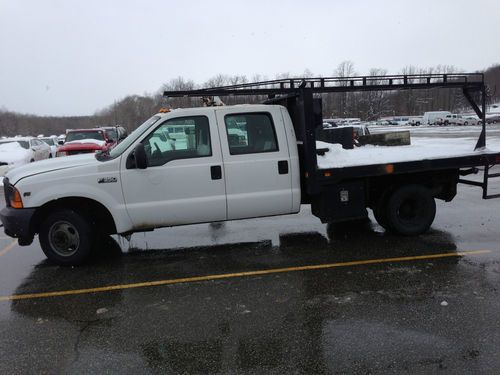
(420,149)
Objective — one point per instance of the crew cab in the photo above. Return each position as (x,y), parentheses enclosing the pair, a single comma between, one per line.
(210,164)
(82,141)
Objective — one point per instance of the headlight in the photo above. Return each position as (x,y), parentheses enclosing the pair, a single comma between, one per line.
(12,195)
(15,200)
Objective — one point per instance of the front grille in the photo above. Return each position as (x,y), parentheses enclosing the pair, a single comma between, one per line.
(3,163)
(8,190)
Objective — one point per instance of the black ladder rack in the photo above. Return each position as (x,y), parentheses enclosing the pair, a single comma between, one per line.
(469,81)
(289,87)
(299,97)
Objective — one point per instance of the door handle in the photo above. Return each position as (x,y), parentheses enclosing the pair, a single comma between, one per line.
(283,167)
(216,172)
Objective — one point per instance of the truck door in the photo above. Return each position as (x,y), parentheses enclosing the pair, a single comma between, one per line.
(256,163)
(184,180)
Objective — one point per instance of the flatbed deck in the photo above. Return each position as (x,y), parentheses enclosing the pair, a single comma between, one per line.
(420,150)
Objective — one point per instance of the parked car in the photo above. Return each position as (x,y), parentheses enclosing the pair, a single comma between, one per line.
(450,119)
(38,150)
(84,141)
(468,120)
(493,119)
(399,121)
(19,151)
(52,142)
(431,117)
(416,120)
(454,119)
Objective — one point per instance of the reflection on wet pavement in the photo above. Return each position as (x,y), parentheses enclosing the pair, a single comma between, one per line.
(381,318)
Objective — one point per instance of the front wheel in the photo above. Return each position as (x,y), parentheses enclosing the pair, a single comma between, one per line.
(411,210)
(67,237)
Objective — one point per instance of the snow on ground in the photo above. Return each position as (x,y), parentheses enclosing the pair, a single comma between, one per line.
(420,149)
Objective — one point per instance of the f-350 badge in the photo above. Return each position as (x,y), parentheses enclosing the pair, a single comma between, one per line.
(106,180)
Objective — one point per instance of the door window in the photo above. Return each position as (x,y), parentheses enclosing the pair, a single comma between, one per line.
(179,138)
(249,133)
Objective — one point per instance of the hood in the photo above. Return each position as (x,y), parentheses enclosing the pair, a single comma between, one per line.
(84,144)
(49,165)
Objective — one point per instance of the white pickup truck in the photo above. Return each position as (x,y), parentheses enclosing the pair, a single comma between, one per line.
(212,164)
(211,173)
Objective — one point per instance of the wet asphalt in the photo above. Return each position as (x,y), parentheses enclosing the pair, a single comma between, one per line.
(423,315)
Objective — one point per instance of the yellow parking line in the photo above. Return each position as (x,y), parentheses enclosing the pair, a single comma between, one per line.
(8,248)
(237,274)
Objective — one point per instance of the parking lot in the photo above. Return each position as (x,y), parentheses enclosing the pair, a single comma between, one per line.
(272,295)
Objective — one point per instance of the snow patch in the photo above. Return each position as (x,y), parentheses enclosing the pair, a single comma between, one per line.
(87,140)
(420,149)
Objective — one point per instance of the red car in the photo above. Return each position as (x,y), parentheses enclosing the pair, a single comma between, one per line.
(83,141)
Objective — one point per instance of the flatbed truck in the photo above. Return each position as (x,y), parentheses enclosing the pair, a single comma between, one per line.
(209,164)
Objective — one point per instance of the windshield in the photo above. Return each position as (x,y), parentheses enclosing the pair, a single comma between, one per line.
(112,134)
(49,141)
(118,150)
(77,136)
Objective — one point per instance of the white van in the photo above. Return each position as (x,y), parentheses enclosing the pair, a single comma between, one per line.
(431,117)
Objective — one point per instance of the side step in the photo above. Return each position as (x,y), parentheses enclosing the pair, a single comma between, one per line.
(484,184)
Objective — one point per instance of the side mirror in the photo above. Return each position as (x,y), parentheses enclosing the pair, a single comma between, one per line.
(60,142)
(141,161)
(109,141)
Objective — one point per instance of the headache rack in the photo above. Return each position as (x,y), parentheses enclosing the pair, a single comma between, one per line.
(305,108)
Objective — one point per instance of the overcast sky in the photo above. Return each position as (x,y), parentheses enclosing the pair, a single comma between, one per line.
(75,57)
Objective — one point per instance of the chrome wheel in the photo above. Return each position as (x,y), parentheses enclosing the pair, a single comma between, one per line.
(64,238)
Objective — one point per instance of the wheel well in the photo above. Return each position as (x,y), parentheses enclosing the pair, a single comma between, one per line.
(96,211)
(443,184)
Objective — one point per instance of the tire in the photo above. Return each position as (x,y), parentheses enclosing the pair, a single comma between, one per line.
(32,160)
(67,237)
(50,156)
(411,210)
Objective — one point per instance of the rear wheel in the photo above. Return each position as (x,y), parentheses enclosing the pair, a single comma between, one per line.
(67,237)
(411,210)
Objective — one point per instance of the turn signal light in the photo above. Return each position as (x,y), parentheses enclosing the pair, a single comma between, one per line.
(16,201)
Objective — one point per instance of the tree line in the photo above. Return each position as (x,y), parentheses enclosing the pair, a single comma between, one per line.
(371,105)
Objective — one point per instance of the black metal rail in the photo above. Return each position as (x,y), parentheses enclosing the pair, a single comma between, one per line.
(470,81)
